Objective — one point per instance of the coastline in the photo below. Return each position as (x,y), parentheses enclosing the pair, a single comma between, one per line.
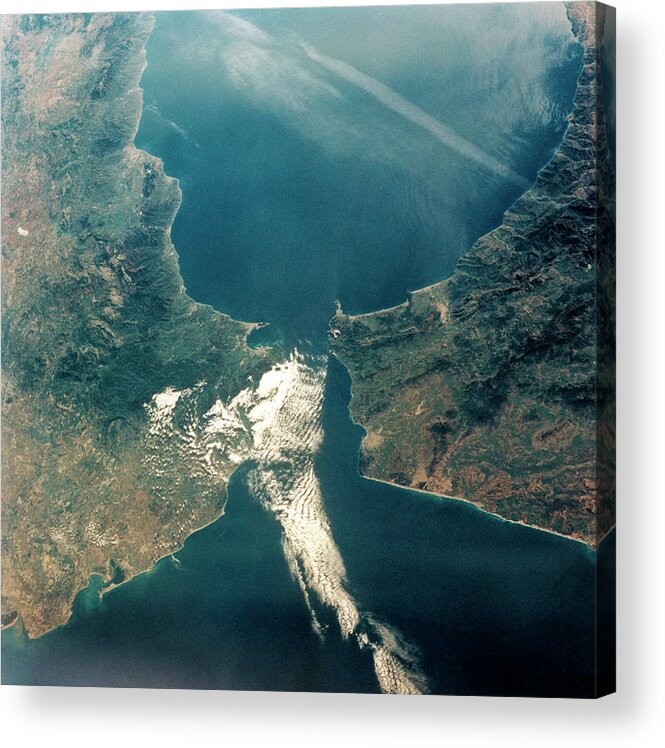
(441,286)
(442,282)
(469,502)
(249,326)
(110,588)
(478,507)
(129,154)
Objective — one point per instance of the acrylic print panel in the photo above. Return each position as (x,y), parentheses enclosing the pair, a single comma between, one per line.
(308,372)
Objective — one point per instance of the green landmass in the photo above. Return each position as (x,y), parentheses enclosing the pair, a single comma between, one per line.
(108,366)
(497,385)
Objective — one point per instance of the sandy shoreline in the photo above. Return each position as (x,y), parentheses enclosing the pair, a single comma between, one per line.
(104,591)
(437,496)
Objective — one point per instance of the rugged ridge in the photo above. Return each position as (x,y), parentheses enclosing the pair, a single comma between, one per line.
(486,386)
(106,361)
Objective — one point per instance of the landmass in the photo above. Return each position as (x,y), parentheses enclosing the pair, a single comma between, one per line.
(112,375)
(496,385)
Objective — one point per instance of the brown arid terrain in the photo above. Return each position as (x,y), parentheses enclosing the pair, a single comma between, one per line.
(496,385)
(109,369)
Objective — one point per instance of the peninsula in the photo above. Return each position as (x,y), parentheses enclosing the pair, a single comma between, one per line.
(107,364)
(487,386)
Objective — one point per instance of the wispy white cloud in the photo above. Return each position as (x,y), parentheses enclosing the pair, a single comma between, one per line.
(173,125)
(278,77)
(240,27)
(267,73)
(293,81)
(398,104)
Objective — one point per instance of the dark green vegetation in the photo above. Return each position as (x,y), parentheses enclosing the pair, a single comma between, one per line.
(486,386)
(97,475)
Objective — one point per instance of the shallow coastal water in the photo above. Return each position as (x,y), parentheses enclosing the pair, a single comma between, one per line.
(304,182)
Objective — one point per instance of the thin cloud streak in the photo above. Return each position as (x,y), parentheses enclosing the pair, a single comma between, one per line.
(398,104)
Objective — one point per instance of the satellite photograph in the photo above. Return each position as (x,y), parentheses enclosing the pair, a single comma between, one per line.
(308,349)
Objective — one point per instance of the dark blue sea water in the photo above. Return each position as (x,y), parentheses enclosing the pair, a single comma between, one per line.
(301,186)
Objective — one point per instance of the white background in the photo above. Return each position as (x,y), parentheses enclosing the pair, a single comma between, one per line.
(633,717)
